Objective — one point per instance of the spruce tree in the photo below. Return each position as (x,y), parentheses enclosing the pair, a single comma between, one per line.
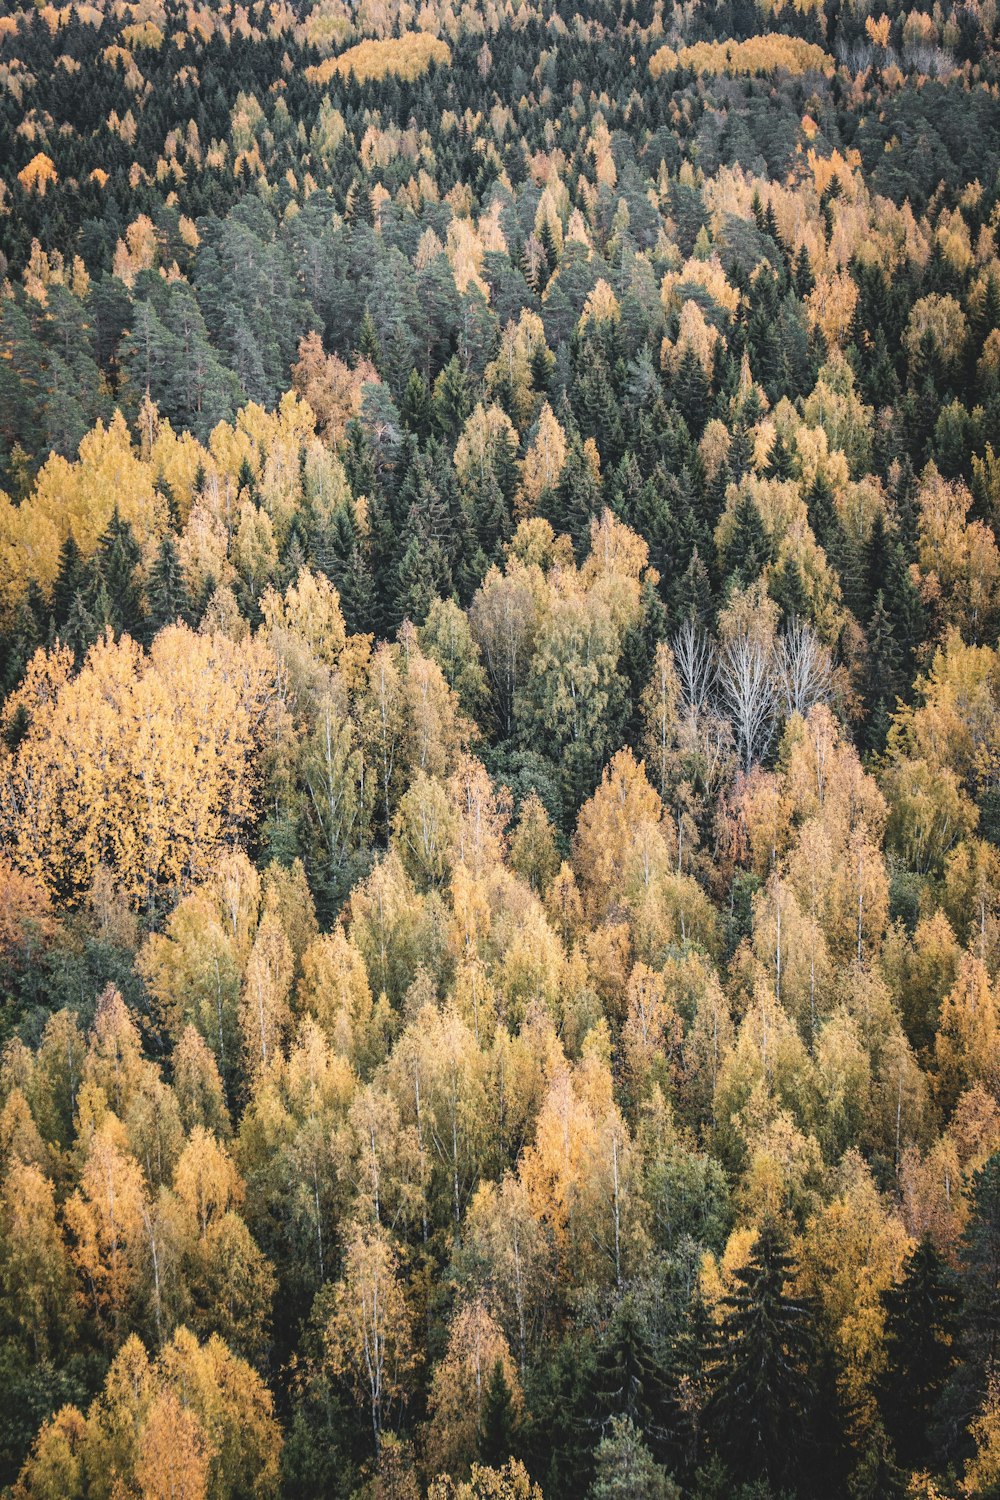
(691,390)
(788,590)
(68,579)
(629,1380)
(415,406)
(748,549)
(81,629)
(576,499)
(25,637)
(498,1425)
(166,593)
(489,512)
(803,276)
(920,1343)
(780,462)
(245,479)
(452,401)
(115,571)
(883,680)
(694,592)
(761,1407)
(979,1287)
(369,346)
(689,1386)
(877,562)
(423,576)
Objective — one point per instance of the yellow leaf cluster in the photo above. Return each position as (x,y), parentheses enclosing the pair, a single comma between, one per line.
(142,765)
(756,55)
(404,57)
(708,274)
(37,175)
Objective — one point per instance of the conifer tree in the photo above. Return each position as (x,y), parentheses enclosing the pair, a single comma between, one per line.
(498,1426)
(167,595)
(761,1408)
(68,579)
(883,680)
(629,1381)
(690,391)
(626,1470)
(921,1348)
(748,550)
(979,1328)
(115,571)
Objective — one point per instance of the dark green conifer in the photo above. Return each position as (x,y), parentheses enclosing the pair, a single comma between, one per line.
(921,1345)
(762,1405)
(167,595)
(499,1424)
(748,550)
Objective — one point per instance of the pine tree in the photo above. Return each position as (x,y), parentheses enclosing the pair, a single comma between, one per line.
(626,1470)
(920,1343)
(762,1404)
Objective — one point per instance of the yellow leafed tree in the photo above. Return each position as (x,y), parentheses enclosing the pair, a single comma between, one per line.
(143,765)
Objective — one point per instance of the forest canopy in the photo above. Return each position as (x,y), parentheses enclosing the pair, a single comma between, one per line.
(499,750)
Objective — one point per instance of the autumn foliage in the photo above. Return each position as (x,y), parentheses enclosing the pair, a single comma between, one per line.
(499,751)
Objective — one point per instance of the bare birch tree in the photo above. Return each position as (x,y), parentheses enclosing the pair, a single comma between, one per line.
(803,670)
(746,690)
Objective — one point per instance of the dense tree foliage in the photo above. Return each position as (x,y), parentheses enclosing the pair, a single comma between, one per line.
(499,750)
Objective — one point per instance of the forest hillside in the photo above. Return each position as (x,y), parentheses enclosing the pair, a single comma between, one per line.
(499,750)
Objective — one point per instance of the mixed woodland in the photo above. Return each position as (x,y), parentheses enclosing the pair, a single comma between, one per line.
(500,750)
